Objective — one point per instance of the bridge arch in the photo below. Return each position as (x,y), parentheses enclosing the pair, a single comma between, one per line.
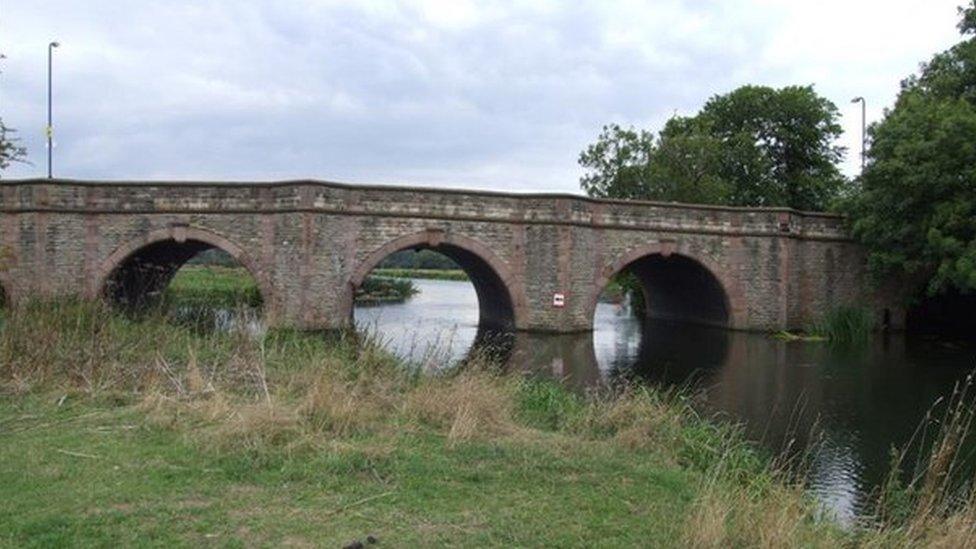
(679,284)
(145,265)
(501,295)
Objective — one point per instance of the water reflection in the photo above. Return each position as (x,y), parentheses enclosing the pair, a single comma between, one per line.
(568,357)
(845,409)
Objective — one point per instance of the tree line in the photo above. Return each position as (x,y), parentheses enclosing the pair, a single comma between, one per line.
(913,206)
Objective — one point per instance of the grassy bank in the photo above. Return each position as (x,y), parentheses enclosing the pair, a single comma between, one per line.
(122,432)
(216,285)
(229,287)
(430,274)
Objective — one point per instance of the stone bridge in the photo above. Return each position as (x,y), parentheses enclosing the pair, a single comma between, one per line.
(537,261)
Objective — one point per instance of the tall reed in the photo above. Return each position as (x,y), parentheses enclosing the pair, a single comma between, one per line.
(845,325)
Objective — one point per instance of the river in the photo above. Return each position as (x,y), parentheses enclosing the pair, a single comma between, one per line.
(845,409)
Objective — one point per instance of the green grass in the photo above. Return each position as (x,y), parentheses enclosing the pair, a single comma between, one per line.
(88,474)
(122,432)
(213,285)
(230,287)
(431,274)
(117,432)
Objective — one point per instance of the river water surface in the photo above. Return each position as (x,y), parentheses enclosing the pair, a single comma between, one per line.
(856,404)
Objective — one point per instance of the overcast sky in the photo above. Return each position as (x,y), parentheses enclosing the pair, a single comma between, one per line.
(491,94)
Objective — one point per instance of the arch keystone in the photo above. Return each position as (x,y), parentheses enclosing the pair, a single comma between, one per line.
(178,232)
(435,237)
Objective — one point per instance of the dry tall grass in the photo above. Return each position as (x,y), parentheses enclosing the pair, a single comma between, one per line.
(289,392)
(776,514)
(283,390)
(472,404)
(935,508)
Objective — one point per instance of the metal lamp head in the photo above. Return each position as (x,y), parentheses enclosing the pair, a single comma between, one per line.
(55,44)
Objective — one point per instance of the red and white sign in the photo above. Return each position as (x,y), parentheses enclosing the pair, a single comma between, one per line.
(559,300)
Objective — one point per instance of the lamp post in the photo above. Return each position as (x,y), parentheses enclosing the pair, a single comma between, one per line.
(50,123)
(863,129)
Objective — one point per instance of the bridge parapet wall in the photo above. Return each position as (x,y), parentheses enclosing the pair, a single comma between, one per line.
(312,196)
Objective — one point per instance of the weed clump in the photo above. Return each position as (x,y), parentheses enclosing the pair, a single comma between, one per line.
(470,405)
(845,325)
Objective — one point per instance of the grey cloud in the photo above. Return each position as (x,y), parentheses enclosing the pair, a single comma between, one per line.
(361,92)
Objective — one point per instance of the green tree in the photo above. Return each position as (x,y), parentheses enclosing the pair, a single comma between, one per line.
(686,165)
(967,20)
(10,149)
(779,144)
(916,210)
(618,164)
(755,146)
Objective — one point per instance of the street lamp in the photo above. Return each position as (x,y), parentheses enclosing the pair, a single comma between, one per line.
(50,123)
(864,138)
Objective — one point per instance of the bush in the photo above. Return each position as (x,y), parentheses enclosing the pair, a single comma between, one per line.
(377,289)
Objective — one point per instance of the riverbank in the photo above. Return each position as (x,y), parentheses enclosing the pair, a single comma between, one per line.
(230,287)
(424,274)
(294,439)
(216,285)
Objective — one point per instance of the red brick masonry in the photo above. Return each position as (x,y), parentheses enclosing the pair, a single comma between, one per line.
(310,243)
